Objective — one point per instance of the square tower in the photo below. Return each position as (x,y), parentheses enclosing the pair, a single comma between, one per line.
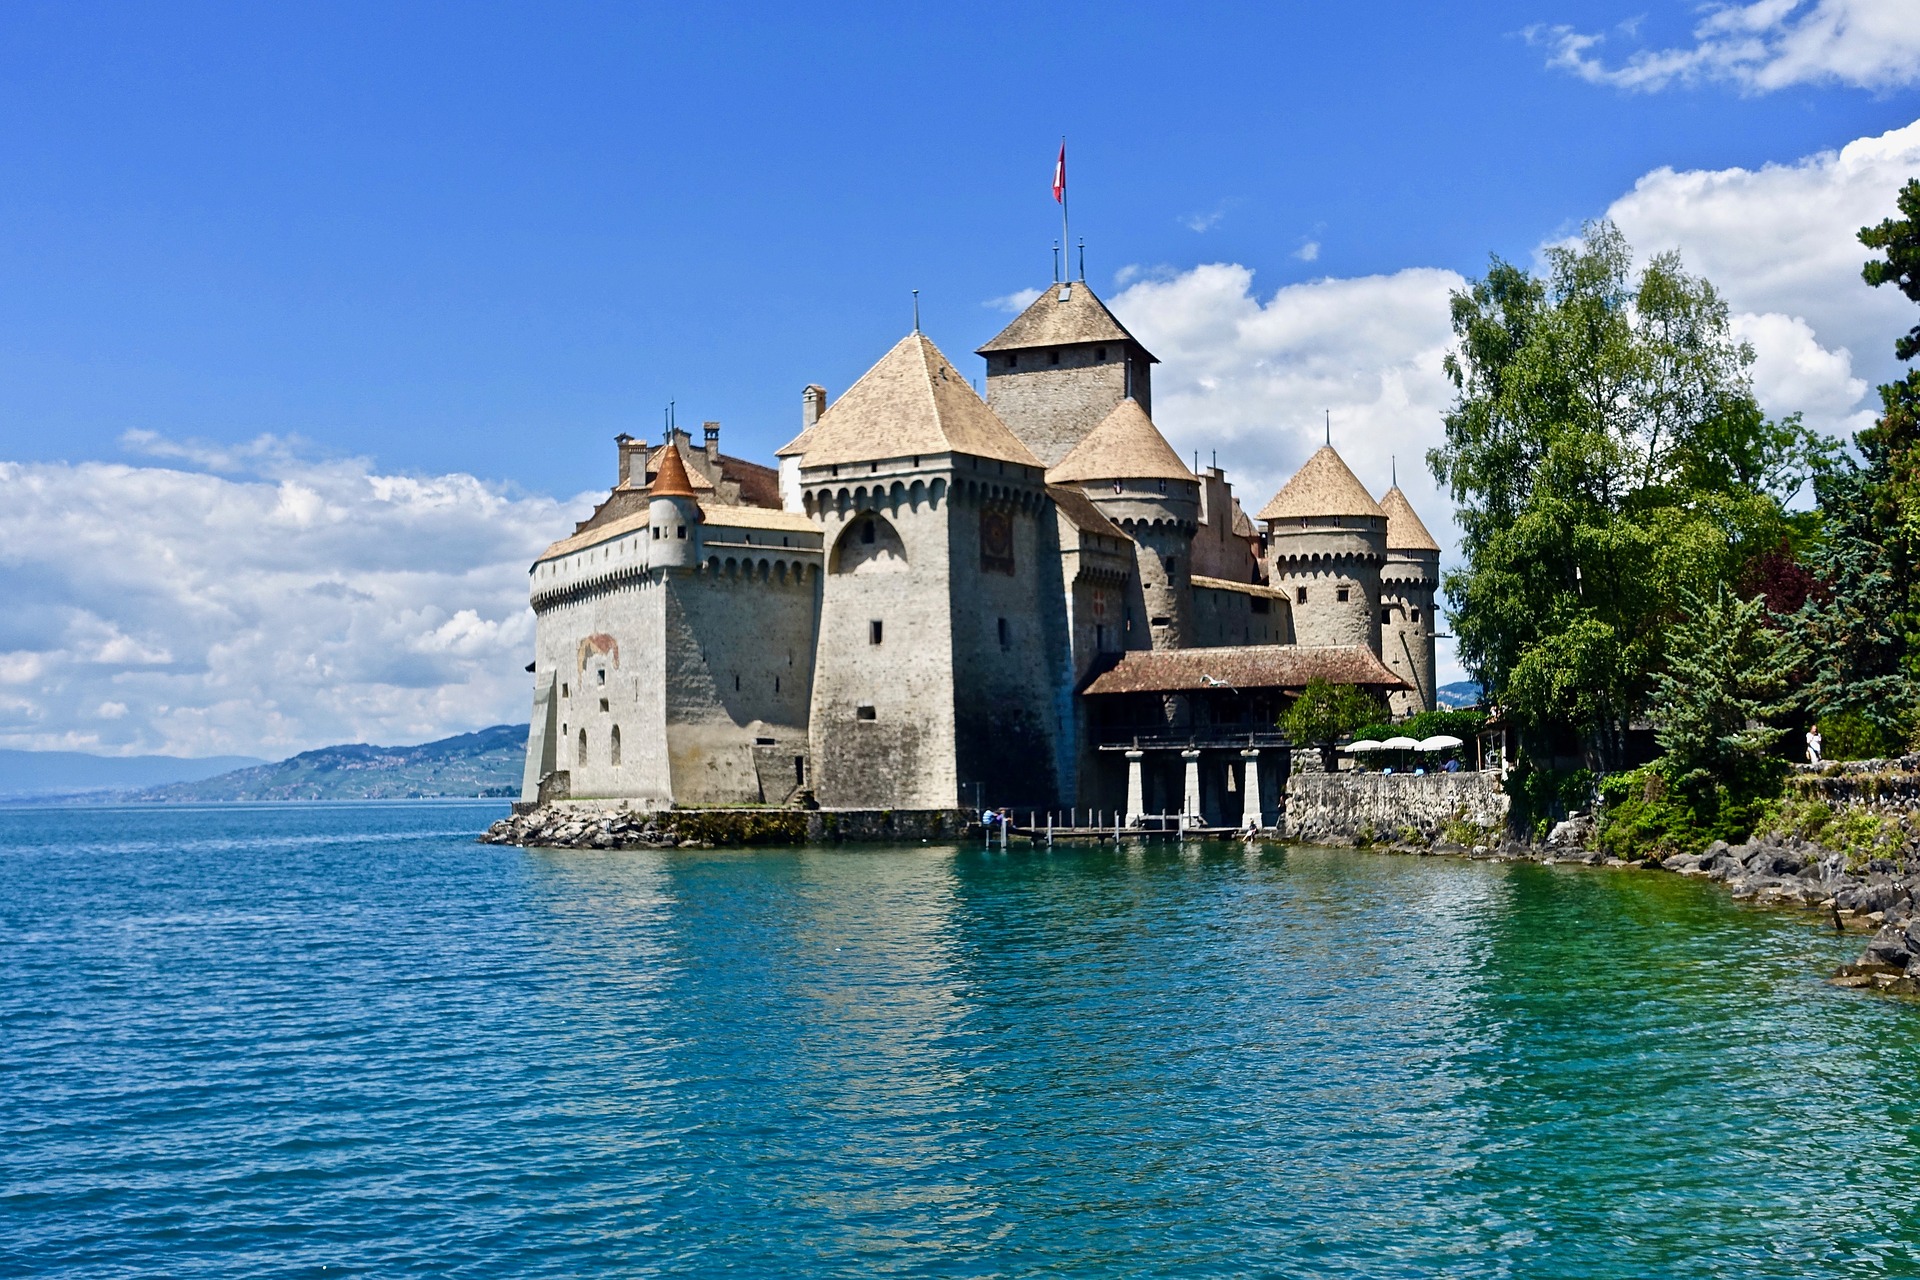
(1061,367)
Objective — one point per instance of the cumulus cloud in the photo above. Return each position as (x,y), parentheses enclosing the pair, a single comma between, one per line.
(1780,242)
(279,604)
(1254,377)
(1761,47)
(1013,303)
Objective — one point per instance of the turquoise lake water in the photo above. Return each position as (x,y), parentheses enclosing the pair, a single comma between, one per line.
(348,1040)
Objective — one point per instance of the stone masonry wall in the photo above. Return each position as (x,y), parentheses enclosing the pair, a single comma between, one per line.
(1051,407)
(1345,808)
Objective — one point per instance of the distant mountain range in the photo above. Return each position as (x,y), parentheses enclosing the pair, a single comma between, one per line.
(487,763)
(1461,693)
(49,775)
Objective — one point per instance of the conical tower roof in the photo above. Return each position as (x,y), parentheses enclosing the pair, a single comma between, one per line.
(1125,446)
(1404,530)
(913,402)
(671,480)
(1063,314)
(1323,486)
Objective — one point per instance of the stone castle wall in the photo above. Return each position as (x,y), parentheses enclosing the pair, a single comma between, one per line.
(1052,407)
(881,723)
(1346,808)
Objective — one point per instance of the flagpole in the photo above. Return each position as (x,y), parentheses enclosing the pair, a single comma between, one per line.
(1065,239)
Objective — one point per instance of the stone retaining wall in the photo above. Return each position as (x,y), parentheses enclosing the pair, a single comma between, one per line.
(1348,808)
(583,824)
(1885,786)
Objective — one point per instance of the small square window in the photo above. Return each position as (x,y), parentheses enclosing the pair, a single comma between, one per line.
(863,711)
(603,704)
(1386,617)
(1300,594)
(1099,353)
(1415,615)
(874,631)
(1053,357)
(600,674)
(1341,594)
(683,533)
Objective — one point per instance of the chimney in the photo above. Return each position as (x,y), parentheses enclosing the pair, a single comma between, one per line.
(813,403)
(712,430)
(624,443)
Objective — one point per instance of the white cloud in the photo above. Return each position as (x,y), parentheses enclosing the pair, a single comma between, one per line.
(1781,242)
(1762,46)
(1308,252)
(292,604)
(1252,379)
(1202,221)
(1014,303)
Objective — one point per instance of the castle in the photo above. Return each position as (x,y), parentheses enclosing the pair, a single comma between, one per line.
(937,601)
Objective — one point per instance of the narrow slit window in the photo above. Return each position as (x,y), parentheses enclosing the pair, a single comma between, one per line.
(874,631)
(1300,595)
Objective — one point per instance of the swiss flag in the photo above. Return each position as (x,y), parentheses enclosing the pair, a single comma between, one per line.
(1060,176)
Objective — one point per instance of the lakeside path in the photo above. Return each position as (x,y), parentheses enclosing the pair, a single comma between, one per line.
(276,1039)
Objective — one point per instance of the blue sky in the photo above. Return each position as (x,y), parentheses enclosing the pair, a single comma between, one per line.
(457,248)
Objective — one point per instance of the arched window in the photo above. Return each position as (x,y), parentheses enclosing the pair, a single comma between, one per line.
(581,757)
(614,749)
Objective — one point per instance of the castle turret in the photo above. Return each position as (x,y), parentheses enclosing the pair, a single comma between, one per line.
(1139,483)
(1326,543)
(674,515)
(1061,367)
(942,627)
(1408,581)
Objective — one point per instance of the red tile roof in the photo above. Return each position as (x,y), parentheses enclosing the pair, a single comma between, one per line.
(1260,666)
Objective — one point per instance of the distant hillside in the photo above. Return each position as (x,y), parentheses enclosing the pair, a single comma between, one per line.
(1461,693)
(487,763)
(51,775)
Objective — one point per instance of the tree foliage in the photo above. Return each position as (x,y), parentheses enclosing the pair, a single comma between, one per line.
(1607,457)
(1324,713)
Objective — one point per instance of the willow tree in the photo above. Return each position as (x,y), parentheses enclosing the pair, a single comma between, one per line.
(1607,458)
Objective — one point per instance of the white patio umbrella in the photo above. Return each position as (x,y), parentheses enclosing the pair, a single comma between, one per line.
(1362,746)
(1399,744)
(1439,742)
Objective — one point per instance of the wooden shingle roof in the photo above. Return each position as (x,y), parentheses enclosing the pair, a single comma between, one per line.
(1054,320)
(912,402)
(1124,446)
(1405,532)
(1323,486)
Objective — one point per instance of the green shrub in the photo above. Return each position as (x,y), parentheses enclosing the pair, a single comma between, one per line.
(1848,735)
(1643,815)
(1541,797)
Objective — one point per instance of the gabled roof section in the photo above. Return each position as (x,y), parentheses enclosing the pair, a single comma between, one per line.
(799,444)
(1404,530)
(913,402)
(1125,446)
(1082,514)
(1323,486)
(1060,316)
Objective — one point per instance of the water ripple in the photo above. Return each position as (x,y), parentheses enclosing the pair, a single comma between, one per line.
(348,1040)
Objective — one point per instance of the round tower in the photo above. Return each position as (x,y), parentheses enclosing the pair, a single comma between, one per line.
(1408,582)
(1130,472)
(1326,546)
(673,513)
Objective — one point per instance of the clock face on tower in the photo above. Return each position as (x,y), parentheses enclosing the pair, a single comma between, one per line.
(996,541)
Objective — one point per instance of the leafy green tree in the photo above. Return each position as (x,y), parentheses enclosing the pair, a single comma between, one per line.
(1606,455)
(1324,713)
(1727,681)
(1863,625)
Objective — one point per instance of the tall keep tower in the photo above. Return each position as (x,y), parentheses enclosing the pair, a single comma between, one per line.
(1407,623)
(1130,472)
(1326,543)
(1061,367)
(942,625)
